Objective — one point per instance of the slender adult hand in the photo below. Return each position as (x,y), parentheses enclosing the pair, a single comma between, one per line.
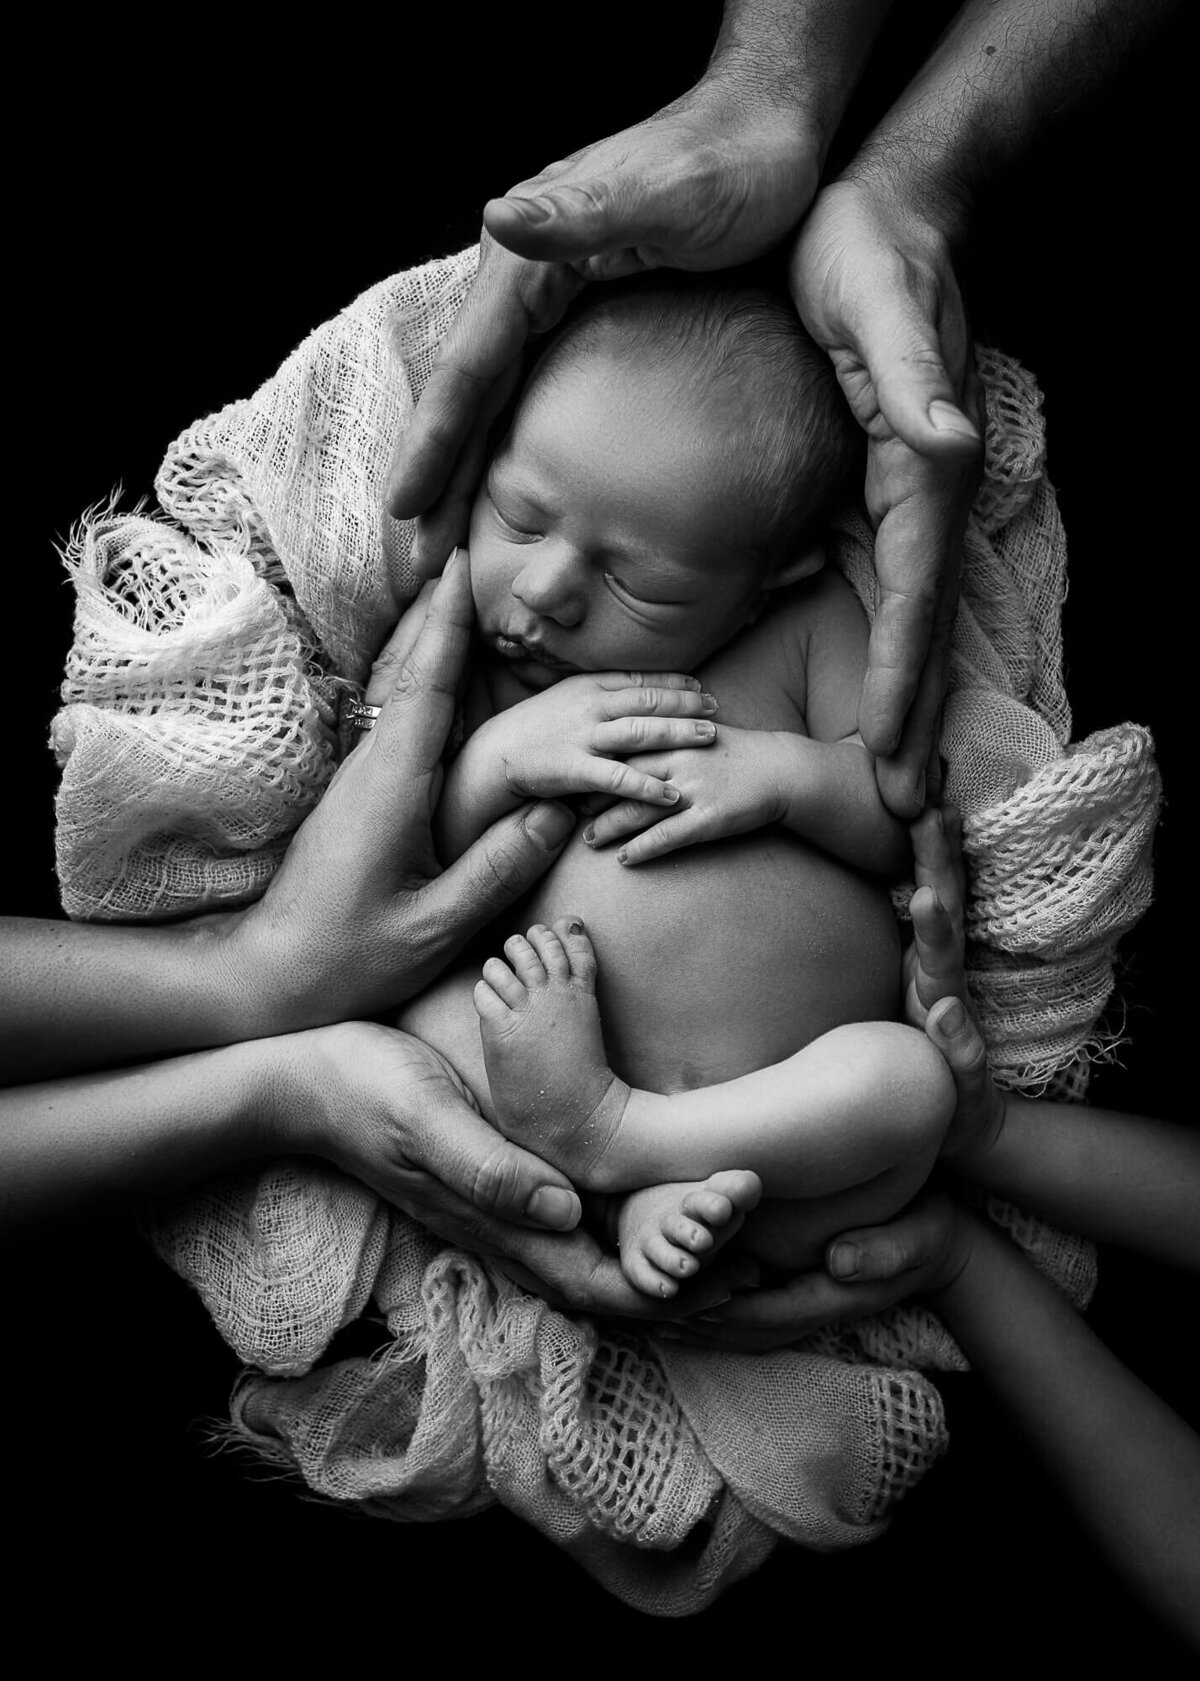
(359,916)
(716,178)
(873,283)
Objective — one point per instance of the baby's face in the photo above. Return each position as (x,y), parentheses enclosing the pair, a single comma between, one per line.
(612,531)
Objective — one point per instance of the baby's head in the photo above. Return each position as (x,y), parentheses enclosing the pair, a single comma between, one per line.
(672,456)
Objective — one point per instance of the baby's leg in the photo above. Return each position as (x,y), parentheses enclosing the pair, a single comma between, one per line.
(863,1100)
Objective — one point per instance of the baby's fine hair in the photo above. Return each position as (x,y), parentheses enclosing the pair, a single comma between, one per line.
(801,447)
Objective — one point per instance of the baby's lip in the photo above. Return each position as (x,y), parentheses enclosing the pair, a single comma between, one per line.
(519,648)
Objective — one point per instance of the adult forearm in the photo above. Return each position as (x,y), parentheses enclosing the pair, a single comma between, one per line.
(82,995)
(114,1140)
(1002,73)
(1128,1464)
(1119,1179)
(801,55)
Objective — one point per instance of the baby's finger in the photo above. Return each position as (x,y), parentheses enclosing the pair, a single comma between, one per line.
(647,700)
(612,776)
(652,735)
(667,835)
(619,821)
(645,680)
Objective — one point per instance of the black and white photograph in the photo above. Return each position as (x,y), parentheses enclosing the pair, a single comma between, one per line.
(595,962)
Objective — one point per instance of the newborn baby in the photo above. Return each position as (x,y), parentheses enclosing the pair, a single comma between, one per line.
(645,559)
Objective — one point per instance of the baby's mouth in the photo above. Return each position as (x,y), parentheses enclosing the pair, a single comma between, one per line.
(513,648)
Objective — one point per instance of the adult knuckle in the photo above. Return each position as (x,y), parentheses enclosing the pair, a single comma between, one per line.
(495,1181)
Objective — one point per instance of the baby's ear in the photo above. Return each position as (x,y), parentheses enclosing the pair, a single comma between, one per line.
(793,567)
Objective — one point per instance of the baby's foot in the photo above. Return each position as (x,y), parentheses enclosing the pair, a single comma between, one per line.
(666,1233)
(552,1089)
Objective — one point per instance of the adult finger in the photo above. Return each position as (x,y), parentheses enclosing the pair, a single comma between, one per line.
(509,300)
(459,1161)
(951,1026)
(899,1256)
(410,734)
(920,509)
(494,872)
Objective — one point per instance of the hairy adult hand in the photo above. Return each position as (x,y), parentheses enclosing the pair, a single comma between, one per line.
(873,283)
(359,916)
(716,178)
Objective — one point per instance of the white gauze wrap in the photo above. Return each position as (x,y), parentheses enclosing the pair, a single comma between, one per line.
(200,724)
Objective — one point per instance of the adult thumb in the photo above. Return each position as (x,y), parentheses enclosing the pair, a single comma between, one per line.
(567,221)
(916,393)
(503,864)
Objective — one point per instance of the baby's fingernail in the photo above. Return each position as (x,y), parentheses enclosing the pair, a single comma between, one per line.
(946,418)
(670,791)
(550,824)
(706,730)
(709,702)
(551,1206)
(843,1260)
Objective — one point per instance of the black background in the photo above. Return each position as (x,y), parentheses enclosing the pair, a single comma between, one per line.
(187,205)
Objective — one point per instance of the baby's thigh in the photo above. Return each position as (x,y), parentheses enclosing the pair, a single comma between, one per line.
(444,1017)
(724,958)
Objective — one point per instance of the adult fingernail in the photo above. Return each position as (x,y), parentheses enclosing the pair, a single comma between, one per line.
(706,730)
(670,792)
(589,834)
(946,418)
(709,702)
(550,824)
(551,1206)
(843,1260)
(532,209)
(953,1018)
(575,926)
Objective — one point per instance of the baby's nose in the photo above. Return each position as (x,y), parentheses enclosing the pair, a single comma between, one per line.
(550,585)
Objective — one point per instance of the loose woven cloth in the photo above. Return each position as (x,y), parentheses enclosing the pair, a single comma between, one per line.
(214,638)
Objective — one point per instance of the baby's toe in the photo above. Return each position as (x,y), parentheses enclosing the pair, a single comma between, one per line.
(500,978)
(644,1275)
(743,1188)
(685,1231)
(668,1257)
(551,952)
(525,960)
(579,949)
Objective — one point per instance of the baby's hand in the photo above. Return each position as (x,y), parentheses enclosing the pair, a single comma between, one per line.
(574,737)
(735,786)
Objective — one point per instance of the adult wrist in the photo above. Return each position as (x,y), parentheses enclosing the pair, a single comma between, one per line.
(797,59)
(919,184)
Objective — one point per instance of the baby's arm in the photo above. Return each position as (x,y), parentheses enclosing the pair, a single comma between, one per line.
(572,738)
(787,748)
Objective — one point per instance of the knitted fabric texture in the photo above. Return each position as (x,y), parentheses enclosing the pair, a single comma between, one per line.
(200,725)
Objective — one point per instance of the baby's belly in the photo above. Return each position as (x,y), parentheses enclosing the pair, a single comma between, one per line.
(728,957)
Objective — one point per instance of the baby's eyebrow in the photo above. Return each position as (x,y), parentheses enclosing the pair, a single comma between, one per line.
(515,484)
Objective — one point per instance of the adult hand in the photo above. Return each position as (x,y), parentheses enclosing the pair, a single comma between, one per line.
(920,1252)
(873,283)
(714,179)
(359,915)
